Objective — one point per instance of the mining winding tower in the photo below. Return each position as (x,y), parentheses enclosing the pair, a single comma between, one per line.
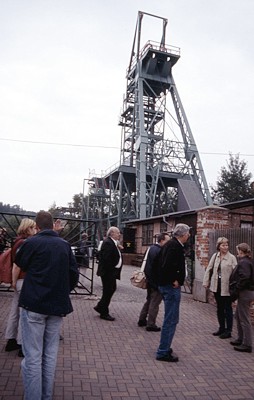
(160,169)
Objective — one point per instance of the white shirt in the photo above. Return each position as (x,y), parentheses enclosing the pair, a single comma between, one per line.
(119,264)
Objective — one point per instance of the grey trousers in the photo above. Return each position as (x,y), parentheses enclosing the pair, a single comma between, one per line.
(13,328)
(242,316)
(151,306)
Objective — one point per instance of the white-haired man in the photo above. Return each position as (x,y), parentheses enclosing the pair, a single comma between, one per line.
(109,269)
(171,275)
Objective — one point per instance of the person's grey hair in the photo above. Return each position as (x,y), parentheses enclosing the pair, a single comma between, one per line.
(181,230)
(110,230)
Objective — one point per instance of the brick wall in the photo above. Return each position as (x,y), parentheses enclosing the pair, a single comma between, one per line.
(208,218)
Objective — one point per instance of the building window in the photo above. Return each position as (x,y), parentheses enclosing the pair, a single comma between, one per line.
(246,225)
(163,227)
(147,235)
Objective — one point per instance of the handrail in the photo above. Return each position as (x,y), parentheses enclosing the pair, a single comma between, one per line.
(150,44)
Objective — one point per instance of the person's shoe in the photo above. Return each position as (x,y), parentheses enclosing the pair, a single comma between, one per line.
(236,342)
(96,308)
(225,335)
(12,345)
(243,348)
(168,358)
(61,337)
(142,322)
(154,328)
(20,353)
(218,333)
(107,317)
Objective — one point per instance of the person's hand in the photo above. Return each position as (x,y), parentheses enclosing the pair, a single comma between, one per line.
(175,284)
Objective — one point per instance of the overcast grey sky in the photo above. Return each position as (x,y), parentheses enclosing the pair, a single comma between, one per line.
(62,81)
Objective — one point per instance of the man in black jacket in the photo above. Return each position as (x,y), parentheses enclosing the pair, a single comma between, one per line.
(109,269)
(51,273)
(171,277)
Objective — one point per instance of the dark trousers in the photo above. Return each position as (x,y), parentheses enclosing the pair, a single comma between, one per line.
(224,312)
(242,315)
(108,289)
(151,306)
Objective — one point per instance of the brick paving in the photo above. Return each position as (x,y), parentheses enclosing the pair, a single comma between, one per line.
(116,360)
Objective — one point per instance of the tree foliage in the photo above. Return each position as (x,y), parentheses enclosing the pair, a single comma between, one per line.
(73,210)
(12,209)
(234,183)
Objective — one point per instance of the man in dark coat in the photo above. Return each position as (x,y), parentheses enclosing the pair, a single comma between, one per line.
(51,273)
(171,277)
(109,269)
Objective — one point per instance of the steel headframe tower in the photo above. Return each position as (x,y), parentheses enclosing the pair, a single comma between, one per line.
(158,152)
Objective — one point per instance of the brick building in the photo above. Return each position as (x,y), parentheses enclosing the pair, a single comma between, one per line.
(233,220)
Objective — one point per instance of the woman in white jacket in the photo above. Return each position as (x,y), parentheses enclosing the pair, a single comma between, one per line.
(216,278)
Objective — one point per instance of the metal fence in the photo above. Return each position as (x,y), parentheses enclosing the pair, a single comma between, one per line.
(72,229)
(234,236)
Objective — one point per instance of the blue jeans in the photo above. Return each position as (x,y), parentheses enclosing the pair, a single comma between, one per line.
(171,297)
(40,341)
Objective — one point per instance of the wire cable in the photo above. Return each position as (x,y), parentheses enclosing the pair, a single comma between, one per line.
(96,146)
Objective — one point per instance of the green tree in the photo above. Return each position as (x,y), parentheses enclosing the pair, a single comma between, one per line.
(234,183)
(77,204)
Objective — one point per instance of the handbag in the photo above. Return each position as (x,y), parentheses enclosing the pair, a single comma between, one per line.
(6,266)
(211,270)
(138,278)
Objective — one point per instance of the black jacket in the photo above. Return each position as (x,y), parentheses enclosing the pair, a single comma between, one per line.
(51,273)
(243,275)
(109,258)
(172,263)
(151,268)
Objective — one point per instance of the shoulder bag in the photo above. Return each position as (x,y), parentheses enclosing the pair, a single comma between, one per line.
(138,278)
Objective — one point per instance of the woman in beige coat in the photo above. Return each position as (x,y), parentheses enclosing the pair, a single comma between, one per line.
(216,278)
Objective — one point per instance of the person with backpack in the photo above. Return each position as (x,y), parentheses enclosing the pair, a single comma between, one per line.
(153,299)
(171,275)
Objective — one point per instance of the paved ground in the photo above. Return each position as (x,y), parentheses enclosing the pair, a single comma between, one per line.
(116,360)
